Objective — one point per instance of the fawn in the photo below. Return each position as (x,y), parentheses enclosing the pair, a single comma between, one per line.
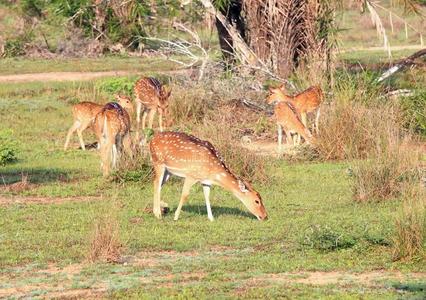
(85,112)
(112,128)
(154,97)
(288,119)
(305,102)
(183,155)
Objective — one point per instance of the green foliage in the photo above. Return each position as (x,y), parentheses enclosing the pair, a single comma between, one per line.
(33,8)
(116,85)
(326,239)
(14,47)
(415,112)
(8,147)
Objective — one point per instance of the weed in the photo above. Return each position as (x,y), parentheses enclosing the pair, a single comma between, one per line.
(326,239)
(410,236)
(135,169)
(8,147)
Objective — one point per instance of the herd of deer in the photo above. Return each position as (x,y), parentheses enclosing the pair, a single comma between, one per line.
(180,154)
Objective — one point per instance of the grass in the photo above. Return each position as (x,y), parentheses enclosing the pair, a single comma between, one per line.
(220,255)
(108,63)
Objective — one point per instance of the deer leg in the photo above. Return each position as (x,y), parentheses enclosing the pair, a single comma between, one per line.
(189,182)
(127,145)
(159,171)
(206,190)
(280,138)
(304,119)
(289,139)
(151,117)
(317,120)
(138,117)
(144,119)
(106,152)
(114,156)
(80,137)
(160,120)
(73,128)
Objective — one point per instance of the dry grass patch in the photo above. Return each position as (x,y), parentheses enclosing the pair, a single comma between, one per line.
(387,172)
(352,130)
(410,236)
(105,244)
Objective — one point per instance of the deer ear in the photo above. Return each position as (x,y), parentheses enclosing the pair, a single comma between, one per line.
(242,186)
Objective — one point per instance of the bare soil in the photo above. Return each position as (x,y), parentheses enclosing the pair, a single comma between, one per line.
(43,200)
(25,281)
(72,76)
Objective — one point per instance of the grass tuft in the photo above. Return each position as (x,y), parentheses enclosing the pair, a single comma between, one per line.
(410,235)
(105,245)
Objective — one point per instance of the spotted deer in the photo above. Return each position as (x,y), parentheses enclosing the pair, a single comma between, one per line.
(287,118)
(84,114)
(308,101)
(183,155)
(154,97)
(112,128)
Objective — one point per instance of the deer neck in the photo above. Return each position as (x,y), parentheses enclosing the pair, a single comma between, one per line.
(228,181)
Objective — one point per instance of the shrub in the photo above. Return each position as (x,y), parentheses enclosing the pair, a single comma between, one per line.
(8,147)
(326,239)
(410,233)
(105,242)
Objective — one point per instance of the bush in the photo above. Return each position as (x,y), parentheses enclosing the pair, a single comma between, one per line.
(8,147)
(326,239)
(410,236)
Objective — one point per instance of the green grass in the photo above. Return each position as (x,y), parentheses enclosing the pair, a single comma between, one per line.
(303,196)
(108,63)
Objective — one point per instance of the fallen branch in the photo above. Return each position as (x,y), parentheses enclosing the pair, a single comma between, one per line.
(257,107)
(402,64)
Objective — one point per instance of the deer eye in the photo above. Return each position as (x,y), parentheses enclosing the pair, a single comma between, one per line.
(257,202)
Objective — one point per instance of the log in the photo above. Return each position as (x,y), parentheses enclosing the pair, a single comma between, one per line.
(402,64)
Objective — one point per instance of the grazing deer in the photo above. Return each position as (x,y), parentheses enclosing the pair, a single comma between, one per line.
(154,97)
(195,160)
(305,102)
(112,128)
(85,112)
(288,119)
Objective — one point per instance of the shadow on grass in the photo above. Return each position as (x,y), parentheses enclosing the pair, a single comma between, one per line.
(414,287)
(216,210)
(35,176)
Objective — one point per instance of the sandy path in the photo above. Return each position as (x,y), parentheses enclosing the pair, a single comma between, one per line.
(60,76)
(72,76)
